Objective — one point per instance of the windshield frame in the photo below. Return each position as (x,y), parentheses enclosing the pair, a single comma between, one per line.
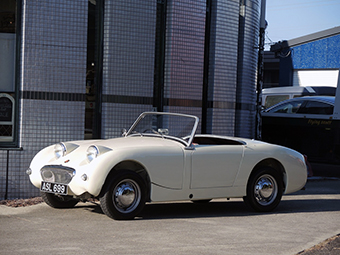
(183,140)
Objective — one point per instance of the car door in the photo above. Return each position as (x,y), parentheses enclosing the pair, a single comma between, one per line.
(215,166)
(303,125)
(282,124)
(318,138)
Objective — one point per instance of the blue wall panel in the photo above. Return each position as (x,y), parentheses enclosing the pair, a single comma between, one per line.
(321,54)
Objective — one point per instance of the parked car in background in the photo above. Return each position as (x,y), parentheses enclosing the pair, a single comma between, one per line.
(272,96)
(161,158)
(304,124)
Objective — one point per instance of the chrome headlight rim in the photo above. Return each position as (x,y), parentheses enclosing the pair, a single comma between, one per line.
(59,150)
(92,153)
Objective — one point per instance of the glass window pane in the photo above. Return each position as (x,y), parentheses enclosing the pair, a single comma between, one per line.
(7,70)
(290,107)
(314,107)
(273,100)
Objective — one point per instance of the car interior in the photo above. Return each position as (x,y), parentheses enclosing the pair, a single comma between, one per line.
(201,140)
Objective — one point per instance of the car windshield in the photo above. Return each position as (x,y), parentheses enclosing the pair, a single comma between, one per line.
(167,125)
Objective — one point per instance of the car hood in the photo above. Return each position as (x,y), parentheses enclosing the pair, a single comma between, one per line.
(76,150)
(128,142)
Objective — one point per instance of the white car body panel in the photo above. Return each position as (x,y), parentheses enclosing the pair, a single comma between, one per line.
(171,167)
(176,171)
(217,165)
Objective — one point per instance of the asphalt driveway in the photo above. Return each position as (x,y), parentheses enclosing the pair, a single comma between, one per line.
(302,220)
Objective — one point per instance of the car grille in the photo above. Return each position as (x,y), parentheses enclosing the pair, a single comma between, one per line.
(57,174)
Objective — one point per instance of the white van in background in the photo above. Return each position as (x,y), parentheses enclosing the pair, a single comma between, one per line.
(272,96)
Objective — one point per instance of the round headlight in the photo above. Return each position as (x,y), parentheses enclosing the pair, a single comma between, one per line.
(92,153)
(59,150)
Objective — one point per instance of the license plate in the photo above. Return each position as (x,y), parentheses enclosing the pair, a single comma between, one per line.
(56,188)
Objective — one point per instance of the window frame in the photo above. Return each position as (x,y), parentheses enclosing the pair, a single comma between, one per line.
(18,40)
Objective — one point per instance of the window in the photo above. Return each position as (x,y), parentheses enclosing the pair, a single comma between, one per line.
(273,100)
(314,107)
(291,107)
(8,95)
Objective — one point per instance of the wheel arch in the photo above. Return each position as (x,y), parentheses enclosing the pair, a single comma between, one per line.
(132,166)
(273,163)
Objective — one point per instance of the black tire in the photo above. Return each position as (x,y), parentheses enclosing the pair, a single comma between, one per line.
(125,196)
(56,201)
(264,190)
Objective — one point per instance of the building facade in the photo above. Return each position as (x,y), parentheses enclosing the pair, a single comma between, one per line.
(311,60)
(85,69)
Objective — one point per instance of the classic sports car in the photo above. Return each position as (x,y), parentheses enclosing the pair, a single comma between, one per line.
(160,158)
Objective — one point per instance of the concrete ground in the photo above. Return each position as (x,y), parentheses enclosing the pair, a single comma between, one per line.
(301,221)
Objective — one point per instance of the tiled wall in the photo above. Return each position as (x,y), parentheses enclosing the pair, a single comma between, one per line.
(223,66)
(128,64)
(247,69)
(52,84)
(184,56)
(53,71)
(54,45)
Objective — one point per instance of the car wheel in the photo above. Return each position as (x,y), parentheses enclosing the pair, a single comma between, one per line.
(264,190)
(125,196)
(56,201)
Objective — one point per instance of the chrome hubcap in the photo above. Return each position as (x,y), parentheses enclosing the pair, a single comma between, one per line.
(265,189)
(126,196)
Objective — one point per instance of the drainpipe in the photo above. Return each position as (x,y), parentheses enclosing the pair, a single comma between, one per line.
(7,168)
(260,69)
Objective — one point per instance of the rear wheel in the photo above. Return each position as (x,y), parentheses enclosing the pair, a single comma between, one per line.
(57,201)
(125,196)
(264,190)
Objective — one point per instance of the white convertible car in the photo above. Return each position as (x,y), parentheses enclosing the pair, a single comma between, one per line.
(161,158)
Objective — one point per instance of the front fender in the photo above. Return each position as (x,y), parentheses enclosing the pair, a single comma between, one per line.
(96,172)
(164,166)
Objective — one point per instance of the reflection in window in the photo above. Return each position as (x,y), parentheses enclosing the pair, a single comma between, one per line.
(291,107)
(273,100)
(314,107)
